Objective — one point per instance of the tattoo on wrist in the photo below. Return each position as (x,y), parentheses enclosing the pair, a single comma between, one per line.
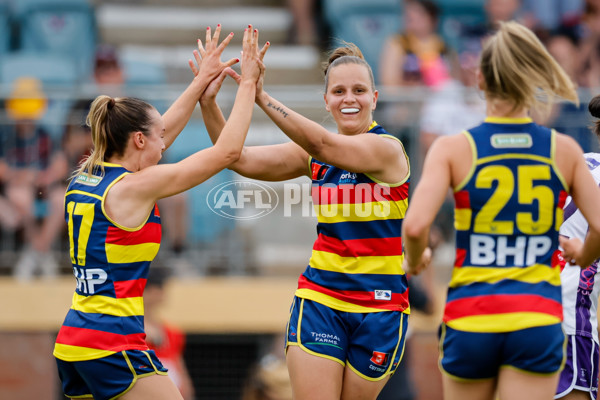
(277,108)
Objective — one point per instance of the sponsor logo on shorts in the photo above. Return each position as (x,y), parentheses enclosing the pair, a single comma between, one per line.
(383,295)
(324,338)
(380,358)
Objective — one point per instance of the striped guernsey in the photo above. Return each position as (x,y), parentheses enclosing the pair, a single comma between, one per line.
(110,263)
(356,262)
(507,216)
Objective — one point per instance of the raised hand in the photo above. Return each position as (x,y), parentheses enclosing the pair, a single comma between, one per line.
(210,93)
(208,57)
(252,65)
(261,78)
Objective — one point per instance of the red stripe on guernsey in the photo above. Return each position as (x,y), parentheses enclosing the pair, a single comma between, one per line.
(501,304)
(461,254)
(150,233)
(156,212)
(94,339)
(399,301)
(562,198)
(133,288)
(558,259)
(359,247)
(461,199)
(357,194)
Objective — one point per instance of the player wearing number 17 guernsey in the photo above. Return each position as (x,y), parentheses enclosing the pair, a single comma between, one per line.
(111,264)
(114,228)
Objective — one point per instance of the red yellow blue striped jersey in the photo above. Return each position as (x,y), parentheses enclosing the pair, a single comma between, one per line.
(508,211)
(356,263)
(110,263)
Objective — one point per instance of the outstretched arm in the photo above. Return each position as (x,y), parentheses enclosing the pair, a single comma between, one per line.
(425,203)
(371,153)
(136,194)
(178,115)
(271,163)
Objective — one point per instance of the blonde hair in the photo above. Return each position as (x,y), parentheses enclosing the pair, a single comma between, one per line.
(516,67)
(112,120)
(347,54)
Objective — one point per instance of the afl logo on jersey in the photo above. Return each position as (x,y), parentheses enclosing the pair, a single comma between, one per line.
(242,200)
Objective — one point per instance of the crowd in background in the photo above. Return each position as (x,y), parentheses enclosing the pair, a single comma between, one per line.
(36,160)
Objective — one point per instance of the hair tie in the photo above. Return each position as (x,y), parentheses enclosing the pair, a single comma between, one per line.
(111,103)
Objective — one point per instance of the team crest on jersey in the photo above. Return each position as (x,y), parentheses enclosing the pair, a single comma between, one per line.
(319,171)
(511,140)
(383,294)
(380,358)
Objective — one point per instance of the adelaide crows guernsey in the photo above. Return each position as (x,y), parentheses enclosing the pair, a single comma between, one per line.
(356,263)
(508,212)
(110,263)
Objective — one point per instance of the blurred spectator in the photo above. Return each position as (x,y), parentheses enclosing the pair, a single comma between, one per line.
(304,27)
(77,138)
(456,106)
(567,117)
(550,15)
(496,11)
(108,73)
(167,341)
(33,179)
(418,56)
(589,49)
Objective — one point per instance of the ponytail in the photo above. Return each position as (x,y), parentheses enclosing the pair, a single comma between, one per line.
(516,67)
(112,120)
(594,109)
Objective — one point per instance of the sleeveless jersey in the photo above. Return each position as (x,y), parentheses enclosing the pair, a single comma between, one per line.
(356,263)
(110,263)
(580,289)
(508,211)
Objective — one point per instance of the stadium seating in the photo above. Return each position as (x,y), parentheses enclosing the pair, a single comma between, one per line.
(364,23)
(66,27)
(138,73)
(455,14)
(57,73)
(5,28)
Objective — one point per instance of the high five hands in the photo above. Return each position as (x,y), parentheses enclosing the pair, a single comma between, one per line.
(252,66)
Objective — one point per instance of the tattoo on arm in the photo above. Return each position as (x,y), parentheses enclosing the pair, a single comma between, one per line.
(278,108)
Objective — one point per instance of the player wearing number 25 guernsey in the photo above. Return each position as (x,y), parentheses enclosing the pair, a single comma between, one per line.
(501,334)
(508,212)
